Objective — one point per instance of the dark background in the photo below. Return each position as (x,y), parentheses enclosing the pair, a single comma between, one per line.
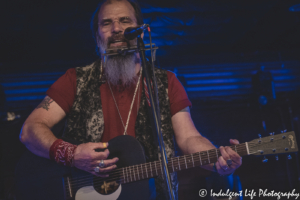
(215,47)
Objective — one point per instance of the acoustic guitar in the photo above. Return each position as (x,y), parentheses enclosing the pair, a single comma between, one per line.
(38,178)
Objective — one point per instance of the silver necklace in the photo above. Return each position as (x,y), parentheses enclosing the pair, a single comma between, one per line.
(136,88)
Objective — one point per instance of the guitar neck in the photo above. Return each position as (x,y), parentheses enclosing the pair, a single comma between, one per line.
(152,169)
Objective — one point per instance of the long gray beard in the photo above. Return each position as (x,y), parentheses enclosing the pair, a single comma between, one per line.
(120,70)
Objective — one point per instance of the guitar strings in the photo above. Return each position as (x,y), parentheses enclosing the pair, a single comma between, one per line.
(120,179)
(134,169)
(139,177)
(175,159)
(123,180)
(99,183)
(117,174)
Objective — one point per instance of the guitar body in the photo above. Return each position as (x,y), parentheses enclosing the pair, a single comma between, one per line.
(40,178)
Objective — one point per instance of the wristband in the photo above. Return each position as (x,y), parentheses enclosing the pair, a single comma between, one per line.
(62,152)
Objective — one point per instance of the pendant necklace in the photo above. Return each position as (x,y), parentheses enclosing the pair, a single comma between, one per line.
(135,91)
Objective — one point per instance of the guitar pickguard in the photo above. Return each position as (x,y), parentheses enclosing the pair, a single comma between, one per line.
(90,193)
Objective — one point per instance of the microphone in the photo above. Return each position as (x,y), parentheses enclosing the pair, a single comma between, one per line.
(132,32)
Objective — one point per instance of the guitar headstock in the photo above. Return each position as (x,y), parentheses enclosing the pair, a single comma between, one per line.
(274,144)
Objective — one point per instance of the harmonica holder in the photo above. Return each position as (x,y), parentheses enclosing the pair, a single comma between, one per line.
(124,50)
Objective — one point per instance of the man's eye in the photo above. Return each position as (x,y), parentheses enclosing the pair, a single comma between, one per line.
(126,21)
(105,23)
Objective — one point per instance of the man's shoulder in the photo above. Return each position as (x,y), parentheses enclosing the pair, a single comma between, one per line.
(90,71)
(160,71)
(88,67)
(165,72)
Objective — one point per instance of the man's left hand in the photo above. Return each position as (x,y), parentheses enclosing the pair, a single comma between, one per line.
(229,161)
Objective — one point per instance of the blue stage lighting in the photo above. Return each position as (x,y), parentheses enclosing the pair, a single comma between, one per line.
(295,8)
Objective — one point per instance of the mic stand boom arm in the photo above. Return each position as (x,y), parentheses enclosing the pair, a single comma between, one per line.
(155,111)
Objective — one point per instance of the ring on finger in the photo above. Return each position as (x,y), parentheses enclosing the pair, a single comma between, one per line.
(229,162)
(101,164)
(97,169)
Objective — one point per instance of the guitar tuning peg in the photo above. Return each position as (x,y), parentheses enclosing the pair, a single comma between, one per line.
(284,131)
(289,157)
(265,159)
(259,135)
(276,157)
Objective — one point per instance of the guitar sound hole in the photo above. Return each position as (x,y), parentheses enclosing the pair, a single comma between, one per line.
(105,186)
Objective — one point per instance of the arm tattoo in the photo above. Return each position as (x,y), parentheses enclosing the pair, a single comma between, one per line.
(45,103)
(186,109)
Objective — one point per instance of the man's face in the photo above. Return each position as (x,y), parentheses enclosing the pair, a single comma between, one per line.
(113,19)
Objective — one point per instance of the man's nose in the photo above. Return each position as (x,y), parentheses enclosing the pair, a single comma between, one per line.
(116,27)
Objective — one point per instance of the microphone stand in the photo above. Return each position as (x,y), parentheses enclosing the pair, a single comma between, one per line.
(155,112)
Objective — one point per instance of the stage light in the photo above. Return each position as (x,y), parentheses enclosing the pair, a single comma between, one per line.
(295,8)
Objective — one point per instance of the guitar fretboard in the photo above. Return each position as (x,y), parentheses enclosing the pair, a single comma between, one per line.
(152,169)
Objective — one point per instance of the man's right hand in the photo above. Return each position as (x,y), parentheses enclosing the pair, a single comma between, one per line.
(87,159)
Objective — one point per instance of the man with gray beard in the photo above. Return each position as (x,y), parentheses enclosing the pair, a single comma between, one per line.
(104,100)
(119,69)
